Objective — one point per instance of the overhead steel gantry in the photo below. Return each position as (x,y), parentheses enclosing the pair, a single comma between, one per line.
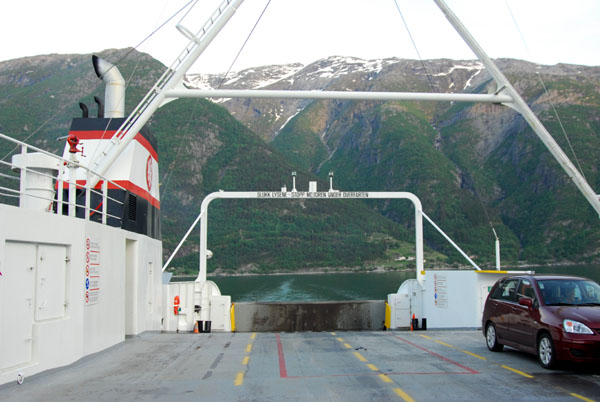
(316,195)
(169,87)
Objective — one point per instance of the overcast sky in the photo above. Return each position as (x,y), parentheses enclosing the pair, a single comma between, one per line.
(551,31)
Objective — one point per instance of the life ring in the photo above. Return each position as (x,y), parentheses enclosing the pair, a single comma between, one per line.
(176,305)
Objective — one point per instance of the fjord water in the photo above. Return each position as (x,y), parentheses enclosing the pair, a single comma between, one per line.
(344,286)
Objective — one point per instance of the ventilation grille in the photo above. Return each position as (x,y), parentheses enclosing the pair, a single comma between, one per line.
(132,207)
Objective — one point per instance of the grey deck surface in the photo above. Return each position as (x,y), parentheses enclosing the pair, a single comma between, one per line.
(321,366)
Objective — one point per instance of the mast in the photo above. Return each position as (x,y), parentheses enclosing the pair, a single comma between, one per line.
(164,90)
(156,96)
(518,104)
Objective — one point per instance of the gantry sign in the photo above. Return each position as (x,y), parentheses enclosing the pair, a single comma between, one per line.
(317,195)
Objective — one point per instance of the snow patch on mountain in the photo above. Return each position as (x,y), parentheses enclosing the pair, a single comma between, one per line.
(252,78)
(338,66)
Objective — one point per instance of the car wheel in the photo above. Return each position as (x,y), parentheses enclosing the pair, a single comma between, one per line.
(545,349)
(491,339)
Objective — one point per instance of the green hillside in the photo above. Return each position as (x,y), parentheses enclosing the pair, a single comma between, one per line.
(473,166)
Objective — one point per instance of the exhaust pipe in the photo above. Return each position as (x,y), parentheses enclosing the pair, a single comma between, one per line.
(100,107)
(114,95)
(84,110)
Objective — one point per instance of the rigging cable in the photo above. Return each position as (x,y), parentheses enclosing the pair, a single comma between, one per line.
(562,127)
(415,46)
(188,11)
(128,81)
(244,44)
(159,28)
(434,90)
(167,175)
(60,110)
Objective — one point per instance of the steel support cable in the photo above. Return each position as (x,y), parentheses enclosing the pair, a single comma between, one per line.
(118,61)
(244,44)
(128,81)
(188,11)
(485,210)
(564,131)
(415,46)
(156,30)
(562,127)
(434,90)
(60,110)
(172,165)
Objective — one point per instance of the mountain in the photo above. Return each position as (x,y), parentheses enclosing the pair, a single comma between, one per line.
(203,149)
(471,164)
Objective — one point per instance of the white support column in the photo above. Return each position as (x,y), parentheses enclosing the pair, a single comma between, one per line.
(23,178)
(420,268)
(72,189)
(88,196)
(497,254)
(60,189)
(203,240)
(104,200)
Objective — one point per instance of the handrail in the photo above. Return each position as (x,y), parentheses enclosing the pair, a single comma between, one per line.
(59,183)
(64,160)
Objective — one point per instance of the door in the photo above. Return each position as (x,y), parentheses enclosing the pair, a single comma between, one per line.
(525,319)
(17,285)
(501,307)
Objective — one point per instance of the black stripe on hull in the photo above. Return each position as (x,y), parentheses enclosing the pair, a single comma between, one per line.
(101,124)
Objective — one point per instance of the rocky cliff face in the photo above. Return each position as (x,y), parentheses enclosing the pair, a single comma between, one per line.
(471,164)
(482,160)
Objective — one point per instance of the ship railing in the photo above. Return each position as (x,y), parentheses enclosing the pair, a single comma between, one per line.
(43,188)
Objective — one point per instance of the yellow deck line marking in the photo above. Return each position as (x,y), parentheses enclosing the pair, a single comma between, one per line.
(583,398)
(435,340)
(347,345)
(340,339)
(333,333)
(360,357)
(372,367)
(253,335)
(385,378)
(239,379)
(517,371)
(403,395)
(443,343)
(474,355)
(245,361)
(248,348)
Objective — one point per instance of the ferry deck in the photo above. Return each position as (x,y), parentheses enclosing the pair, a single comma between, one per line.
(448,365)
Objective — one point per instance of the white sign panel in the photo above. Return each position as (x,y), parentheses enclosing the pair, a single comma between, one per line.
(92,271)
(316,194)
(440,290)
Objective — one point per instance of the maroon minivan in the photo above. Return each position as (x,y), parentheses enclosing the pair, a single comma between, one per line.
(553,316)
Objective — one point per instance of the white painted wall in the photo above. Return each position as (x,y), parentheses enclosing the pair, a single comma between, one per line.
(447,299)
(44,318)
(213,306)
(460,297)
